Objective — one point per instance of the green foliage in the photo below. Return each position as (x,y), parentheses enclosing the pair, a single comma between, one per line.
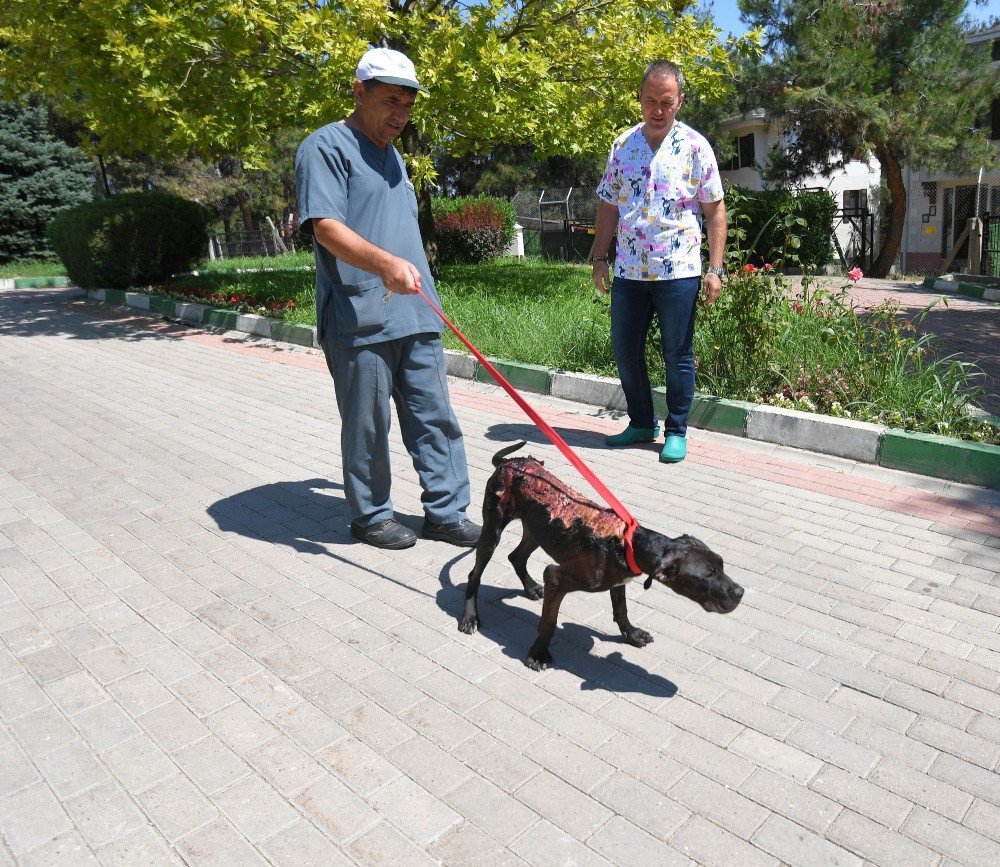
(893,79)
(39,176)
(782,228)
(32,268)
(472,229)
(134,239)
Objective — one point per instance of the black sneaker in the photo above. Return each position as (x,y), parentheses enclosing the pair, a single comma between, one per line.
(463,533)
(385,534)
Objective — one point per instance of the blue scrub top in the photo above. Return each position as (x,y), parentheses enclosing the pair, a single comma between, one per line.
(342,175)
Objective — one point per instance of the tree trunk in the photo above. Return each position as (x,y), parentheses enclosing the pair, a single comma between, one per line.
(241,198)
(893,174)
(413,144)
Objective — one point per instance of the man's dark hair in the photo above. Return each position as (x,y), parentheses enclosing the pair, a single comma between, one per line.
(664,69)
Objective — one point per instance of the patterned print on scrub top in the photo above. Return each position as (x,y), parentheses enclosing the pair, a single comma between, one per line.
(659,198)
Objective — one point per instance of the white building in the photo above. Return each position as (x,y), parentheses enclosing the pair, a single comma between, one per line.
(939,205)
(854,187)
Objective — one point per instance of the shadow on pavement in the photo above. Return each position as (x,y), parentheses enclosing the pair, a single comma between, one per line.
(299,515)
(513,628)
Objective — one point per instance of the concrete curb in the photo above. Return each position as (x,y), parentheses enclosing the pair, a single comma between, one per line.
(926,454)
(957,287)
(34,282)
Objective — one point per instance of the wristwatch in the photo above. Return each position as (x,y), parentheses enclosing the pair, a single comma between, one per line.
(718,272)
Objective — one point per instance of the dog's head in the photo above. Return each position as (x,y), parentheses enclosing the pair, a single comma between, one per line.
(689,567)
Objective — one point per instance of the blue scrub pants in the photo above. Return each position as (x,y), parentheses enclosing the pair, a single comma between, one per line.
(633,303)
(412,372)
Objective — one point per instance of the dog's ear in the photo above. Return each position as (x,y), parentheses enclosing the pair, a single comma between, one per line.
(647,583)
(666,566)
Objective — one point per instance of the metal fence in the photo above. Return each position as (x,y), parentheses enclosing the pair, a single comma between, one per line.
(558,223)
(263,241)
(936,232)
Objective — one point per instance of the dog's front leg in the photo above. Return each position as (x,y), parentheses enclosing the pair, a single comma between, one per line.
(493,526)
(619,610)
(538,656)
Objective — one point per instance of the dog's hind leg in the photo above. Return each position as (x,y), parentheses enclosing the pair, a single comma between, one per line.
(619,609)
(519,560)
(538,657)
(493,525)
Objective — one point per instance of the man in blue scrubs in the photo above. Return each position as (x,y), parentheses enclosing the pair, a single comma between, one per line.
(380,339)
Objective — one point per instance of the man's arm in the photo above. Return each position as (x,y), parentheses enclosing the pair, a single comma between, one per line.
(605,226)
(715,218)
(397,274)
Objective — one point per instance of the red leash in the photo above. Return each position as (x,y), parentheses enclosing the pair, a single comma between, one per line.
(630,523)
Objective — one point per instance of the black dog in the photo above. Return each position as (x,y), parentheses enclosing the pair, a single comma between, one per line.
(587,543)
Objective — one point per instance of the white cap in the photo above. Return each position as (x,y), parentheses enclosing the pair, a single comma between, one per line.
(392,67)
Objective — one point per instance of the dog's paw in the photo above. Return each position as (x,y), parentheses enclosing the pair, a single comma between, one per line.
(534,591)
(468,625)
(639,638)
(539,663)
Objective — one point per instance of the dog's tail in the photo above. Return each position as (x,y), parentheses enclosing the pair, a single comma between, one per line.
(500,455)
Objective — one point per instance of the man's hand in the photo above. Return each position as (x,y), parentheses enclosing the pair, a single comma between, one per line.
(711,286)
(400,276)
(602,277)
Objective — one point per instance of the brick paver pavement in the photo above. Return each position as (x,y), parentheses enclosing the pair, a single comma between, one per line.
(199,666)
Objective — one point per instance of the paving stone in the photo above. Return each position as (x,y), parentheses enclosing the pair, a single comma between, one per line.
(218,844)
(492,810)
(833,749)
(876,843)
(642,805)
(921,788)
(384,846)
(210,764)
(967,777)
(68,770)
(143,846)
(301,845)
(173,726)
(713,846)
(794,845)
(67,848)
(31,817)
(357,765)
(429,766)
(42,731)
(719,804)
(861,796)
(415,811)
(791,800)
(288,768)
(104,813)
(942,835)
(562,805)
(545,845)
(255,809)
(176,807)
(623,843)
(466,846)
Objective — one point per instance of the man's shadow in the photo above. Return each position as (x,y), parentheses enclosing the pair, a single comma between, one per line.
(301,515)
(511,432)
(514,628)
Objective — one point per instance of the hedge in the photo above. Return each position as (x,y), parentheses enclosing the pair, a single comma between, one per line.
(134,239)
(762,214)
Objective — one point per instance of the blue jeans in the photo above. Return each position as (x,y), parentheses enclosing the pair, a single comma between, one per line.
(633,303)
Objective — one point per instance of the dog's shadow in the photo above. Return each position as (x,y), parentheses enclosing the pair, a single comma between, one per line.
(514,628)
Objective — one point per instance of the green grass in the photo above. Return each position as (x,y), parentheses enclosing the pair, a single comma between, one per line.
(301,259)
(32,268)
(758,342)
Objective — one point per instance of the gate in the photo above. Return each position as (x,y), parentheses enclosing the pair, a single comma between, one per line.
(854,237)
(991,245)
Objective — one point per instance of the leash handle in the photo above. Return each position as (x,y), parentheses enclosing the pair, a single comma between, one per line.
(631,524)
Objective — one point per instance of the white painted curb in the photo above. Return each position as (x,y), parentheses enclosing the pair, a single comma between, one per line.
(843,437)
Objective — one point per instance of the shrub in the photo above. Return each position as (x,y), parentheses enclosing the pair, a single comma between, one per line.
(135,239)
(773,231)
(472,229)
(39,176)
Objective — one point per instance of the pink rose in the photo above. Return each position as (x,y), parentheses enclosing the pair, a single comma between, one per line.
(855,274)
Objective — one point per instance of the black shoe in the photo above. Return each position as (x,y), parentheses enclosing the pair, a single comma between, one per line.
(385,534)
(463,533)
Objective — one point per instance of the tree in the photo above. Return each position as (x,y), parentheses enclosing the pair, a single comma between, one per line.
(39,176)
(217,76)
(888,77)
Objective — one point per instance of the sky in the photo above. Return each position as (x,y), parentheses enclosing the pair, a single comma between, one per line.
(727,14)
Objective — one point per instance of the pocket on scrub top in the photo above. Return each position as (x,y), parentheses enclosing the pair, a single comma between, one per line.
(360,307)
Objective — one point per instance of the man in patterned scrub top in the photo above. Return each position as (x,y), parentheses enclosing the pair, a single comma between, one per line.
(382,342)
(661,181)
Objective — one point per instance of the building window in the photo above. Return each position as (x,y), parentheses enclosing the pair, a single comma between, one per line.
(744,156)
(995,50)
(855,201)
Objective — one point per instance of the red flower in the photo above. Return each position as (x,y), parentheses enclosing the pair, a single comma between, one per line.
(767,266)
(750,269)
